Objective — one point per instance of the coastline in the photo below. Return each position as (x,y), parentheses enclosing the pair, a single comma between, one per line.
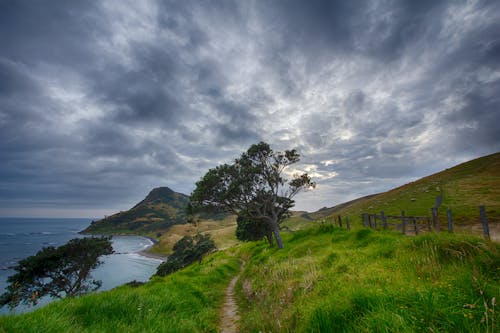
(146,252)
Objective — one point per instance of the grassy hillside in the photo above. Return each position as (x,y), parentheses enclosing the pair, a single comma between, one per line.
(325,280)
(161,209)
(177,303)
(333,280)
(463,188)
(222,231)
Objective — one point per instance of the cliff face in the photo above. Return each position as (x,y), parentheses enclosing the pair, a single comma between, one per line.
(161,209)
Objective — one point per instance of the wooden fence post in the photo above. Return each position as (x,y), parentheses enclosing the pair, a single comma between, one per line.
(403,222)
(370,220)
(486,228)
(340,220)
(348,225)
(450,220)
(363,219)
(375,221)
(415,225)
(384,220)
(435,219)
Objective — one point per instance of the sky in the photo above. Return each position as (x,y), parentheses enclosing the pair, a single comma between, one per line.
(101,101)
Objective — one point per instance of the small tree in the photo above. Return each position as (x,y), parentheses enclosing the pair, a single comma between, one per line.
(186,251)
(254,187)
(56,272)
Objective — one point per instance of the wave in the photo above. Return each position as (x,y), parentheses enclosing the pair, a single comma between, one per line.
(138,256)
(38,233)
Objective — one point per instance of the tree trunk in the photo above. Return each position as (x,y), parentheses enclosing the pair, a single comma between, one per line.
(269,237)
(276,232)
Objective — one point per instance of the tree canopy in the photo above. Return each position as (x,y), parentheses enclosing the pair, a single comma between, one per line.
(254,187)
(56,272)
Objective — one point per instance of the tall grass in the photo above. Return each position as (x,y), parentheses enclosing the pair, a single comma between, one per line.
(186,301)
(326,279)
(331,280)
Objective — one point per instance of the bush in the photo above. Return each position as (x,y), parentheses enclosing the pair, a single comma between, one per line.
(186,251)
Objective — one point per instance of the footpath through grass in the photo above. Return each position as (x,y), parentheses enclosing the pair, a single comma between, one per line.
(186,301)
(333,280)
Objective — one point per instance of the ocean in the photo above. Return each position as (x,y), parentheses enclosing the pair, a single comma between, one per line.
(23,237)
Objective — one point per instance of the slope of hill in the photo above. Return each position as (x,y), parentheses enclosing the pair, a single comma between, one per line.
(221,229)
(462,188)
(326,279)
(161,209)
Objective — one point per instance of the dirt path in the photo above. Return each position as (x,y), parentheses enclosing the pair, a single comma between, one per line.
(229,315)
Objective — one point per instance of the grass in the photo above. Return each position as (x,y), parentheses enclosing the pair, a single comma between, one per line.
(180,302)
(222,232)
(463,188)
(326,279)
(332,280)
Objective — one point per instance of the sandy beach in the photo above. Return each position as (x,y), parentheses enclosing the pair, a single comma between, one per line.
(146,253)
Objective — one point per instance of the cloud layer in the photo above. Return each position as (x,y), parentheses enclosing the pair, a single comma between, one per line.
(100,101)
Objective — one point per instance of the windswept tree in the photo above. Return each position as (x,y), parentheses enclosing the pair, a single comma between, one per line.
(56,272)
(254,187)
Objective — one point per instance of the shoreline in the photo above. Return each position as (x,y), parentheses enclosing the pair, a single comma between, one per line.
(147,254)
(144,252)
(150,255)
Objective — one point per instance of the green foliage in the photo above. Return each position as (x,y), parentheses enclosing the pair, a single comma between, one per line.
(186,301)
(56,272)
(333,280)
(186,251)
(249,229)
(253,187)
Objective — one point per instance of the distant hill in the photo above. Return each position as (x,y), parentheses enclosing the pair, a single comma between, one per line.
(462,188)
(161,209)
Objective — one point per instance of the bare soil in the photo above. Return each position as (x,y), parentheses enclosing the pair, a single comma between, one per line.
(229,315)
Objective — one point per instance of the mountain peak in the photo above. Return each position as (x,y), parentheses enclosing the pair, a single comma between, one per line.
(161,194)
(161,208)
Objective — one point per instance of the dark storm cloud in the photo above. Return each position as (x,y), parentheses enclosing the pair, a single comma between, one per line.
(102,100)
(60,31)
(319,25)
(477,121)
(13,80)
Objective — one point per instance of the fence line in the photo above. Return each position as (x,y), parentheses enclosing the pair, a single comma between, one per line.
(409,223)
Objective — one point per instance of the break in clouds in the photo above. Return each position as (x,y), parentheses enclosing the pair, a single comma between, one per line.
(100,101)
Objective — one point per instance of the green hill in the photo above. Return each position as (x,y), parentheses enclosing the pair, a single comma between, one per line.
(462,188)
(326,279)
(161,209)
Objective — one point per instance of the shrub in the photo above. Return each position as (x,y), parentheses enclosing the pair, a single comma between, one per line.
(186,251)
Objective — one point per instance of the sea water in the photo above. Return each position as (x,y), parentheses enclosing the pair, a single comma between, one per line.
(23,237)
